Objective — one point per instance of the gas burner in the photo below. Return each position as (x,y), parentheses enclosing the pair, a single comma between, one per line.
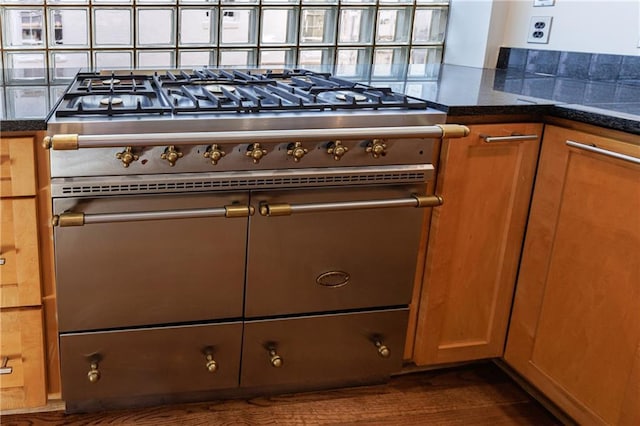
(111,81)
(219,88)
(348,96)
(111,101)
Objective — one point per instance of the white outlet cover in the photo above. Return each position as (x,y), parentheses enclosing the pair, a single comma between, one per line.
(539,29)
(537,3)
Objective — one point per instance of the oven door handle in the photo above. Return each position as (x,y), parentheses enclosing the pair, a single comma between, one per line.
(80,219)
(285,209)
(75,141)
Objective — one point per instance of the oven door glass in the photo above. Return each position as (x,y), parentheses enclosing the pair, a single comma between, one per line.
(134,273)
(319,261)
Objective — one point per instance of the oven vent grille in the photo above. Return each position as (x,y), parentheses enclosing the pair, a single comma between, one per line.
(242,183)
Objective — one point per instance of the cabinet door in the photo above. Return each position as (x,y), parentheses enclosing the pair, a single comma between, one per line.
(474,243)
(22,382)
(575,328)
(17,170)
(19,273)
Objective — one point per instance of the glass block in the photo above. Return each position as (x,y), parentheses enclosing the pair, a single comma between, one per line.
(24,28)
(356,25)
(433,2)
(156,59)
(425,62)
(113,60)
(393,25)
(240,1)
(399,2)
(112,2)
(429,25)
(154,2)
(68,27)
(353,62)
(2,107)
(27,102)
(25,67)
(320,60)
(318,25)
(198,2)
(156,27)
(238,25)
(389,62)
(279,26)
(55,93)
(112,27)
(198,26)
(65,65)
(276,58)
(65,2)
(283,2)
(357,1)
(238,58)
(320,2)
(422,89)
(21,2)
(196,58)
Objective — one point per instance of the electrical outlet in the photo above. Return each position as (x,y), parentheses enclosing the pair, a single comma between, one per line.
(537,3)
(539,29)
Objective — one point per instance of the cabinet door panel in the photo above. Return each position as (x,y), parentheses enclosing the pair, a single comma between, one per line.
(17,169)
(575,328)
(474,245)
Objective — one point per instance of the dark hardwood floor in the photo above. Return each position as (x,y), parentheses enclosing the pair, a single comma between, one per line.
(479,394)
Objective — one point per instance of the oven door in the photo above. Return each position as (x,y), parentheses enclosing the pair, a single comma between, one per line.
(140,260)
(335,249)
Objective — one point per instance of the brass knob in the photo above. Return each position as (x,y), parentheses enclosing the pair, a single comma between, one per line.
(171,154)
(376,148)
(47,142)
(383,351)
(256,152)
(275,359)
(212,365)
(94,374)
(127,156)
(337,150)
(296,151)
(215,153)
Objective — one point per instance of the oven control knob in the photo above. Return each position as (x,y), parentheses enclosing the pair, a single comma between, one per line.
(376,148)
(171,154)
(127,156)
(296,151)
(256,152)
(215,153)
(383,351)
(337,150)
(94,374)
(212,365)
(275,359)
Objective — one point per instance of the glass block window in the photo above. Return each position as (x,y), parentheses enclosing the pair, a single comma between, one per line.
(50,40)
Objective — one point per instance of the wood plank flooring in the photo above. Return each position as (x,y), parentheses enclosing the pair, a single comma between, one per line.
(479,394)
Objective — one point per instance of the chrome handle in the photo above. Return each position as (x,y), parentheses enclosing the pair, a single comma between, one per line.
(512,138)
(606,152)
(4,369)
(285,209)
(79,219)
(74,141)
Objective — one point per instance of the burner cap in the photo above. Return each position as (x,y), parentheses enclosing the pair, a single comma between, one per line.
(217,88)
(343,96)
(112,101)
(111,81)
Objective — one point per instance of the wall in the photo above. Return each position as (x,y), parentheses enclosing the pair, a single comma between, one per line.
(477,28)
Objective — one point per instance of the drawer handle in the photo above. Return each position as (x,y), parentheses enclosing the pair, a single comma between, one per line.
(212,365)
(383,351)
(94,374)
(275,359)
(593,148)
(513,138)
(2,261)
(5,359)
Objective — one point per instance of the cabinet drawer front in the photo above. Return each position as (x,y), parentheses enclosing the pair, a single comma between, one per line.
(20,274)
(153,361)
(323,349)
(17,169)
(22,381)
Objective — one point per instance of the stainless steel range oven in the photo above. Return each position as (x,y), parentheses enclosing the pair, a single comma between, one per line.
(234,232)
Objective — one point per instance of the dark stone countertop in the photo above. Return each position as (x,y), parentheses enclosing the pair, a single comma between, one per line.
(457,90)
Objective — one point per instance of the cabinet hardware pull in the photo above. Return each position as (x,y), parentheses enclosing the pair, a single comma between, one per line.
(606,152)
(79,219)
(74,141)
(512,138)
(2,261)
(383,350)
(4,369)
(285,209)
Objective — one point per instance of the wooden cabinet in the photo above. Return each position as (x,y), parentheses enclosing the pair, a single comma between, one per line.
(474,243)
(22,382)
(575,327)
